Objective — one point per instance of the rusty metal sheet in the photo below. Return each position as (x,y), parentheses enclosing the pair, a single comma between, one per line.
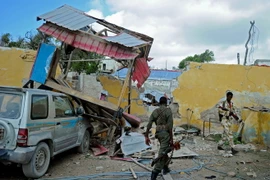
(88,42)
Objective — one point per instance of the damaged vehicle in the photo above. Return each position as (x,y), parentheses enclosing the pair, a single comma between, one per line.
(36,125)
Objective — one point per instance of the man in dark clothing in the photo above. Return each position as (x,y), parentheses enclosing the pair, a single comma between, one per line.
(164,124)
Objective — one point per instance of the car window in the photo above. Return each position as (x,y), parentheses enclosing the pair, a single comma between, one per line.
(63,107)
(39,107)
(10,105)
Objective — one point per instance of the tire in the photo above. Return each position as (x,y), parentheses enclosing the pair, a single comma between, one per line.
(39,163)
(85,144)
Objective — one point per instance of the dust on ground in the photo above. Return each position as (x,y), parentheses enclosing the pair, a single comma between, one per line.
(210,164)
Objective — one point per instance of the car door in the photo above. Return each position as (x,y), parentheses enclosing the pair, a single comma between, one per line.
(66,133)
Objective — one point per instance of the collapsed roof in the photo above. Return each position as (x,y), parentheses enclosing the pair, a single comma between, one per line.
(75,28)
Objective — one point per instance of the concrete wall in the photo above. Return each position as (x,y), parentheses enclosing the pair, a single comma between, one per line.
(15,66)
(89,85)
(202,86)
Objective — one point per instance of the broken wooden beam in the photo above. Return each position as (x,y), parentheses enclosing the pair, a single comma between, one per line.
(101,131)
(99,118)
(141,165)
(133,172)
(80,95)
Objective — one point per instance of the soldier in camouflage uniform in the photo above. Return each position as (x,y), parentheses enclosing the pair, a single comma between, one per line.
(164,124)
(226,115)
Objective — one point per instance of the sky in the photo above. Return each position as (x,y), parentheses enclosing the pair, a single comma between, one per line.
(180,28)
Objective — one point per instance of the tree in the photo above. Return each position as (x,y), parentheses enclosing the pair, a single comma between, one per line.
(87,67)
(20,43)
(5,39)
(206,56)
(35,39)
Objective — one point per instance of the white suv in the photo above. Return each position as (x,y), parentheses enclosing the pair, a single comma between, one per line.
(36,124)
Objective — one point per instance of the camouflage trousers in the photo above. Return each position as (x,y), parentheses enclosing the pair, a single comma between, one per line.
(164,140)
(227,133)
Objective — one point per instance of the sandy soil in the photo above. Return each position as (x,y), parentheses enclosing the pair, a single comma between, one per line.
(209,163)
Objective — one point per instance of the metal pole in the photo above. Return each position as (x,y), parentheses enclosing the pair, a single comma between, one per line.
(238,58)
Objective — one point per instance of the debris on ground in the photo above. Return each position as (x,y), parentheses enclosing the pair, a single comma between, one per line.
(245,147)
(99,150)
(231,174)
(252,174)
(99,168)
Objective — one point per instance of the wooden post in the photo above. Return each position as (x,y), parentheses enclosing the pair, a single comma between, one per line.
(130,88)
(125,83)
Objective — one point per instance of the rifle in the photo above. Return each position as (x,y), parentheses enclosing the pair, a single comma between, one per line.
(175,146)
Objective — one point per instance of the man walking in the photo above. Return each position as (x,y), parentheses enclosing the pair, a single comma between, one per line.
(226,115)
(164,124)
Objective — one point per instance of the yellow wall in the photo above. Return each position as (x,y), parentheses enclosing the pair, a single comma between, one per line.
(113,86)
(15,65)
(203,85)
(257,127)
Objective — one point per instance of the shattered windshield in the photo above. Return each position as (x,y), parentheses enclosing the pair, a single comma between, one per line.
(10,105)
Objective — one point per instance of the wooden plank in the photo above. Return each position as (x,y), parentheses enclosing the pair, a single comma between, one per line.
(123,90)
(101,131)
(111,135)
(106,120)
(133,172)
(80,95)
(106,113)
(141,165)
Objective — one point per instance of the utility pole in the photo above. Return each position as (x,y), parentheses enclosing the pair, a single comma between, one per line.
(246,45)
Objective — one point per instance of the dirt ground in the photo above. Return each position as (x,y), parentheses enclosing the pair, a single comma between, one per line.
(209,164)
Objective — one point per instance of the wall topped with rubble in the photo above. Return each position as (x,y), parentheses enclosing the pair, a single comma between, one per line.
(16,65)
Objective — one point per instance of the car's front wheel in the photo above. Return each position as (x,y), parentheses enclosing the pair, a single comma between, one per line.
(39,163)
(85,144)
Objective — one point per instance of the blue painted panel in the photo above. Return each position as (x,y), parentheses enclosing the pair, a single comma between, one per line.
(154,75)
(42,64)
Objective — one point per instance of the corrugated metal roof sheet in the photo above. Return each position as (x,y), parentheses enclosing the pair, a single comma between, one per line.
(68,17)
(125,39)
(154,75)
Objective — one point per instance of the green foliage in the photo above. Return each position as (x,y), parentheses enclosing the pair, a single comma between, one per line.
(6,38)
(206,56)
(86,66)
(20,43)
(33,40)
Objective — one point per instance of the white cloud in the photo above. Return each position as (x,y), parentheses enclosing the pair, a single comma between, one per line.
(182,28)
